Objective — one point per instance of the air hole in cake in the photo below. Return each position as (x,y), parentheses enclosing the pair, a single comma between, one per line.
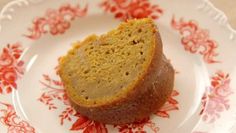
(126,73)
(139,30)
(107,52)
(72,53)
(86,71)
(113,50)
(135,42)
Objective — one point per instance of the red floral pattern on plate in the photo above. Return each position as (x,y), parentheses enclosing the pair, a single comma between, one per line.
(11,67)
(88,126)
(55,21)
(196,40)
(217,100)
(14,124)
(54,92)
(129,9)
(138,127)
(170,105)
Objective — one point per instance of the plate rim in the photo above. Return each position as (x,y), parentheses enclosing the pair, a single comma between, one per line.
(223,20)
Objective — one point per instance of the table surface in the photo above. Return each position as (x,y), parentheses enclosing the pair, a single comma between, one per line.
(227,6)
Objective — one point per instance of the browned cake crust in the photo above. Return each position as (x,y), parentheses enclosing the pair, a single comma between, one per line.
(147,98)
(148,93)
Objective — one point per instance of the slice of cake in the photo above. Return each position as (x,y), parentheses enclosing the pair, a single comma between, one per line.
(118,77)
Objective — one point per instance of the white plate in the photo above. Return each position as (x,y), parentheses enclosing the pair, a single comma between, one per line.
(196,38)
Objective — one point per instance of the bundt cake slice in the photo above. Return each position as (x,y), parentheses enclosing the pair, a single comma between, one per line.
(118,77)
